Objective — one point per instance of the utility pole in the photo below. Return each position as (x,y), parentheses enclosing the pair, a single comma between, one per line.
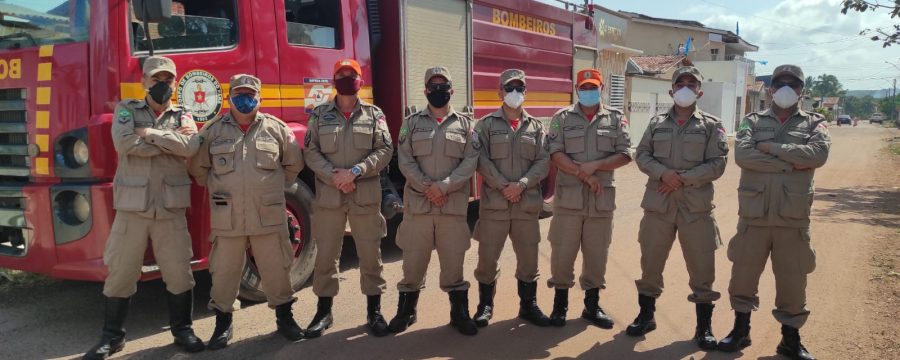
(894,101)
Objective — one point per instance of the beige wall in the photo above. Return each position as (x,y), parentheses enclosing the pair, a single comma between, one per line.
(664,40)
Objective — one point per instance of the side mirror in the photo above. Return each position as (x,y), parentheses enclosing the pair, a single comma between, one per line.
(152,11)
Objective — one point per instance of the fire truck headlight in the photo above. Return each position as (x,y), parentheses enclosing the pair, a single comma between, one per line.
(79,152)
(73,152)
(72,207)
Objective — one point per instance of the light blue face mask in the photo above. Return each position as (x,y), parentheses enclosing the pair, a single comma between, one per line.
(589,97)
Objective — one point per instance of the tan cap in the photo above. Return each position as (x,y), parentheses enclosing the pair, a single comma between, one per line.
(438,71)
(510,75)
(792,70)
(687,70)
(244,81)
(155,64)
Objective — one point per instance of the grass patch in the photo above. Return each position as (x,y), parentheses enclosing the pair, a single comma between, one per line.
(894,147)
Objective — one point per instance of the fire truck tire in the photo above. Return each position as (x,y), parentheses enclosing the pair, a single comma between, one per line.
(299,208)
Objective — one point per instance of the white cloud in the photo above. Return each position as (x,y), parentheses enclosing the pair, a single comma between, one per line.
(814,35)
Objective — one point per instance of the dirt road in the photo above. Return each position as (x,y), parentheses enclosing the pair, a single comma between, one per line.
(856,203)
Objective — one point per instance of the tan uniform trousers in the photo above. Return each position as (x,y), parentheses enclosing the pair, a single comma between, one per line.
(699,241)
(419,235)
(127,244)
(792,259)
(568,234)
(273,254)
(491,236)
(368,229)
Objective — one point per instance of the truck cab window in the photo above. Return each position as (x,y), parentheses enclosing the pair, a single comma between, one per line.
(209,24)
(25,24)
(313,22)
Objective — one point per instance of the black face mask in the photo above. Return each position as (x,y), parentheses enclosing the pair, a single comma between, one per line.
(438,98)
(160,92)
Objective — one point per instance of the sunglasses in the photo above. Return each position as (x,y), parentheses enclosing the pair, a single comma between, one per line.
(511,88)
(438,87)
(793,84)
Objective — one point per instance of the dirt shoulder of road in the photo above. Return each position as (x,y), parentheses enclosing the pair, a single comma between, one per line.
(883,295)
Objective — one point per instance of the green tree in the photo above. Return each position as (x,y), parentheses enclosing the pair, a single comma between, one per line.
(861,107)
(889,35)
(827,85)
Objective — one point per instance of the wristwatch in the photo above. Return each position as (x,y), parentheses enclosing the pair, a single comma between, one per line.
(522,184)
(356,170)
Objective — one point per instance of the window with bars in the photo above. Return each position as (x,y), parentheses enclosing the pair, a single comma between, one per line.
(617,91)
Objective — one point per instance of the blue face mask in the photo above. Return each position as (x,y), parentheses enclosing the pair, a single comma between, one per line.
(589,97)
(244,103)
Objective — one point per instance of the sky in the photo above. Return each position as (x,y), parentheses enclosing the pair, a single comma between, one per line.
(810,33)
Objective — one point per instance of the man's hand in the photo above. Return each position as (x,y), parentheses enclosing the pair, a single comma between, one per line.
(440,201)
(340,177)
(140,131)
(186,130)
(434,193)
(672,179)
(801,168)
(588,168)
(764,147)
(665,189)
(513,192)
(347,188)
(595,184)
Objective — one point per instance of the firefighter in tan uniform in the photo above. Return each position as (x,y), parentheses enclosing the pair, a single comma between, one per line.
(347,145)
(778,151)
(682,151)
(587,142)
(512,163)
(246,160)
(437,153)
(151,191)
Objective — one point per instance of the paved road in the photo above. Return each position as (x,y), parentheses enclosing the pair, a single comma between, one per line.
(62,319)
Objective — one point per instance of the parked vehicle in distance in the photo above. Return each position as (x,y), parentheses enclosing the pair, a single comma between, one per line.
(876,118)
(844,119)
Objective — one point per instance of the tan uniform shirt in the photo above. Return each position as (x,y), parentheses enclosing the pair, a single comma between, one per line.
(333,141)
(511,156)
(584,140)
(772,192)
(151,178)
(245,174)
(445,153)
(697,150)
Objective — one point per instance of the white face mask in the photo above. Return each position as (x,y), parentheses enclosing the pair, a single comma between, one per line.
(514,99)
(684,97)
(785,97)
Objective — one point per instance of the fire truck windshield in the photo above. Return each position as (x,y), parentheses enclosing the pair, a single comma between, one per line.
(30,23)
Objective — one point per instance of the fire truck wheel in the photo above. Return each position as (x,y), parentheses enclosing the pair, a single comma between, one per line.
(299,208)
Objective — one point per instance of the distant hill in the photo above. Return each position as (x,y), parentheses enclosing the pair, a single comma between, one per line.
(874,93)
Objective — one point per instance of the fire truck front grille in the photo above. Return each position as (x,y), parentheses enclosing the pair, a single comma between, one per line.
(13,232)
(15,163)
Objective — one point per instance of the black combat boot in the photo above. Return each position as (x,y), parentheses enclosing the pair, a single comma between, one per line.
(223,331)
(322,320)
(113,338)
(181,311)
(287,326)
(374,318)
(406,311)
(459,313)
(560,307)
(790,345)
(739,337)
(528,307)
(485,309)
(644,322)
(704,336)
(593,312)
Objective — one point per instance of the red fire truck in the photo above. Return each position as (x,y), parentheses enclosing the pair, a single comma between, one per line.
(65,64)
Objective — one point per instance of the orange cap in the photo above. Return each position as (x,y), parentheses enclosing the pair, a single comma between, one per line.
(347,63)
(590,76)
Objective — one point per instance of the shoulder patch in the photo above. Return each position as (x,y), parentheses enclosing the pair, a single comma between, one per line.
(124,116)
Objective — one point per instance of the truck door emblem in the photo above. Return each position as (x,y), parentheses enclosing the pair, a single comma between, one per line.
(201,94)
